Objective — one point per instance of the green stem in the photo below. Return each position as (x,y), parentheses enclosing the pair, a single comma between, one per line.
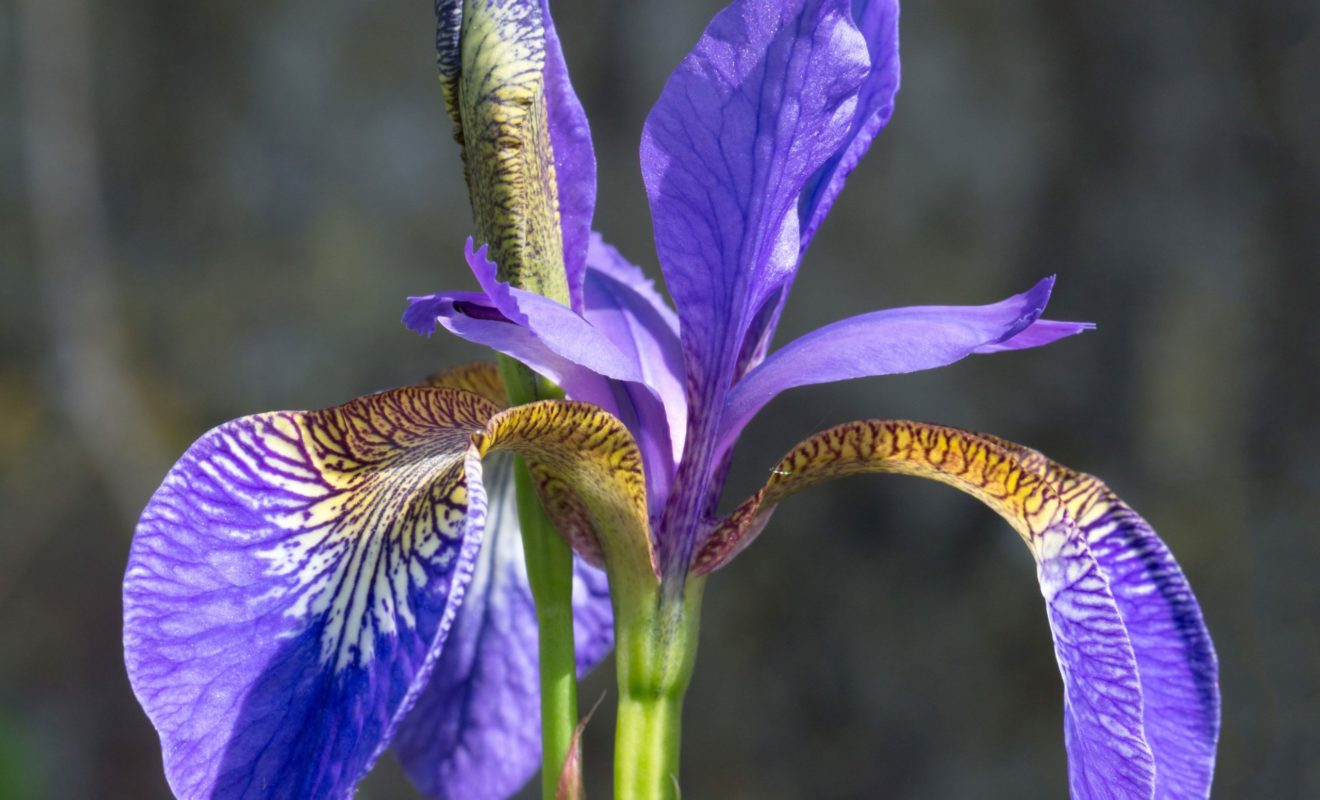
(657,647)
(550,574)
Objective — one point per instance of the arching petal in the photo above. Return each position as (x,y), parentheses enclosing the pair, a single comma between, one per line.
(764,99)
(1175,656)
(572,520)
(1140,681)
(893,341)
(585,450)
(479,377)
(294,580)
(475,730)
(290,584)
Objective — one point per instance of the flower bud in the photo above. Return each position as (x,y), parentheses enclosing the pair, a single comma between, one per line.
(492,56)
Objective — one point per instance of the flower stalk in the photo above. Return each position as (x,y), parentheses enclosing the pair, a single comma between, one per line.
(655,654)
(550,576)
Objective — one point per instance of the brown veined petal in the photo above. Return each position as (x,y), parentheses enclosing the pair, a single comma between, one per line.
(571,518)
(584,456)
(1109,752)
(480,377)
(293,583)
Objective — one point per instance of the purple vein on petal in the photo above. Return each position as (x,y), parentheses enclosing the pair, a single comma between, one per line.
(291,583)
(763,100)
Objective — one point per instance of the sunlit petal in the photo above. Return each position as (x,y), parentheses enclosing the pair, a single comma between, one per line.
(290,583)
(1140,678)
(894,341)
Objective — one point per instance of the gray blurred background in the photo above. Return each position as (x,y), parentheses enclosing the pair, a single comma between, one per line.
(211,209)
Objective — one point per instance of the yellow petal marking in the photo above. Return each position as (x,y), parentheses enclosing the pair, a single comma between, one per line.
(481,377)
(583,453)
(1005,479)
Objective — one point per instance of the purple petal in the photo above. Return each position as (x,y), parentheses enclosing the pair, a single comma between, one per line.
(1175,657)
(554,341)
(1039,333)
(762,101)
(475,730)
(878,22)
(291,584)
(473,317)
(621,302)
(766,97)
(1108,755)
(1140,695)
(893,341)
(575,160)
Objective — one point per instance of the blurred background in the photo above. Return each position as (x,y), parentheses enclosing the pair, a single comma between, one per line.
(212,209)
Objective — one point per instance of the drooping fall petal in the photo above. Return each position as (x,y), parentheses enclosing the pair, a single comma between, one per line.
(474,731)
(294,580)
(1140,678)
(1175,656)
(290,584)
(889,342)
(764,99)
(592,454)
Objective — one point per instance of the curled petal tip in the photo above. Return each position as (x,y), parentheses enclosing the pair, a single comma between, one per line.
(1036,298)
(421,315)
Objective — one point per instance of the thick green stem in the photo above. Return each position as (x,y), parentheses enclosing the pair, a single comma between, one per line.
(657,647)
(550,574)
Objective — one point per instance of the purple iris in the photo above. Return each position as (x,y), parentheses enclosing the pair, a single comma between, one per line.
(308,589)
(744,153)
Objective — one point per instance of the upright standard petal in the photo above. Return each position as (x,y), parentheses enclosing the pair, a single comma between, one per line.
(1140,678)
(766,97)
(889,342)
(290,584)
(527,148)
(878,22)
(475,730)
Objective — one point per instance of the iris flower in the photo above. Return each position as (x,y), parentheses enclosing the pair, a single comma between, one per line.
(309,589)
